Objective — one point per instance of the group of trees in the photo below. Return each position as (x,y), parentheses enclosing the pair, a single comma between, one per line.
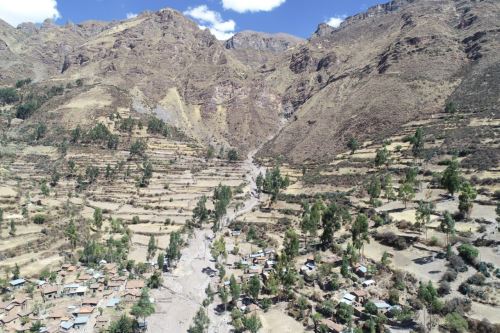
(221,199)
(98,134)
(272,183)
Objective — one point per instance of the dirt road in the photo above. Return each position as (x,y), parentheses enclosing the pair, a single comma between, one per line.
(184,290)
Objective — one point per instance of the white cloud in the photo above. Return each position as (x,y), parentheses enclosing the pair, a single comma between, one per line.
(335,21)
(212,20)
(242,6)
(36,11)
(131,15)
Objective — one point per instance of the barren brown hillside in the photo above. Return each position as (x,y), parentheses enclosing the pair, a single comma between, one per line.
(379,70)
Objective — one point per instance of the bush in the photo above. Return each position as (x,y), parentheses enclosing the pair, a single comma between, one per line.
(21,83)
(468,252)
(232,155)
(158,126)
(449,275)
(444,288)
(8,96)
(456,323)
(457,263)
(24,111)
(39,219)
(459,305)
(477,279)
(138,147)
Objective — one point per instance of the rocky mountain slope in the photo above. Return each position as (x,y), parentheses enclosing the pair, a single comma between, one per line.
(378,70)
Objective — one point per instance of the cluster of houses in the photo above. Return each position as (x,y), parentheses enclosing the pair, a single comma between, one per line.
(77,297)
(261,263)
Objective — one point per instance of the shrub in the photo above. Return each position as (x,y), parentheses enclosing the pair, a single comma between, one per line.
(468,252)
(8,96)
(456,323)
(457,263)
(477,279)
(138,147)
(449,275)
(39,219)
(457,304)
(21,83)
(232,155)
(444,288)
(24,111)
(158,126)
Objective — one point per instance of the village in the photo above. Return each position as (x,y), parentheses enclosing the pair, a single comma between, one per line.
(374,241)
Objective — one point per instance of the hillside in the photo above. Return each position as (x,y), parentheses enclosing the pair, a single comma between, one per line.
(390,65)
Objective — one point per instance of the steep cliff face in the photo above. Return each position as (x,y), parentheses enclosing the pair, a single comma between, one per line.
(385,67)
(378,70)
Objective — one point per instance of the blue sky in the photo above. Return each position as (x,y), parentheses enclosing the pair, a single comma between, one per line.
(223,17)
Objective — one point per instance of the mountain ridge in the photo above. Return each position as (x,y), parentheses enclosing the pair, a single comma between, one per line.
(378,70)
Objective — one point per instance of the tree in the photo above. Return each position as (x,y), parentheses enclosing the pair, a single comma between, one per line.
(274,183)
(332,218)
(160,260)
(418,143)
(143,308)
(406,193)
(359,231)
(291,244)
(259,182)
(353,145)
(235,289)
(388,188)
(123,325)
(302,304)
(76,134)
(8,96)
(252,323)
(200,322)
(16,272)
(371,308)
(232,155)
(224,296)
(138,148)
(13,229)
(456,323)
(429,296)
(448,226)
(344,269)
(221,198)
(1,221)
(450,108)
(98,218)
(254,287)
(218,249)
(72,234)
(381,157)
(423,214)
(451,179)
(374,189)
(200,212)
(155,280)
(344,313)
(40,131)
(467,195)
(174,250)
(151,247)
(147,173)
(385,261)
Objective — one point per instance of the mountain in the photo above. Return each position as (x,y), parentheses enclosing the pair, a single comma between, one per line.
(258,48)
(383,68)
(380,69)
